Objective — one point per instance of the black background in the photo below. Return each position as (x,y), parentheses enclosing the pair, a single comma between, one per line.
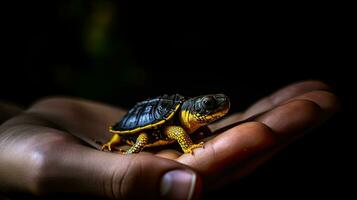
(146,49)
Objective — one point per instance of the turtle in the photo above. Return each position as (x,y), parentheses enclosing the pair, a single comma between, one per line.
(166,119)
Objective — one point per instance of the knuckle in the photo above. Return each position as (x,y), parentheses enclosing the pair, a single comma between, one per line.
(315,84)
(49,100)
(257,126)
(326,100)
(260,134)
(44,161)
(53,102)
(125,180)
(41,160)
(305,105)
(333,101)
(319,84)
(122,179)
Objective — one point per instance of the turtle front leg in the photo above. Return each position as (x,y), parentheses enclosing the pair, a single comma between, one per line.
(179,134)
(139,145)
(113,141)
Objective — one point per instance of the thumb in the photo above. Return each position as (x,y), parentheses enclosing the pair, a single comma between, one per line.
(116,176)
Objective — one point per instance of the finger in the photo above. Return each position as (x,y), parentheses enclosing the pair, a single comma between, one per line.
(80,170)
(286,133)
(327,101)
(283,127)
(85,119)
(230,147)
(169,154)
(272,101)
(273,130)
(243,169)
(308,110)
(284,94)
(290,118)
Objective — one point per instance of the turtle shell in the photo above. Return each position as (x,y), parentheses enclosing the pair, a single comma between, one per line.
(148,114)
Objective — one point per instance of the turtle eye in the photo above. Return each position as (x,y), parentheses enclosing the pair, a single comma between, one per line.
(209,102)
(197,108)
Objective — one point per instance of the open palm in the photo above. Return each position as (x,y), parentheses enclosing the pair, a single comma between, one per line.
(51,146)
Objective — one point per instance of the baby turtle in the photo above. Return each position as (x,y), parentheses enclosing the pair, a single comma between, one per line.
(166,119)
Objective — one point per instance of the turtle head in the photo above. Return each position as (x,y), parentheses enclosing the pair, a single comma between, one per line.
(202,110)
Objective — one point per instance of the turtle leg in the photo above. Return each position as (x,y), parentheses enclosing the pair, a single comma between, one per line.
(179,134)
(113,141)
(139,145)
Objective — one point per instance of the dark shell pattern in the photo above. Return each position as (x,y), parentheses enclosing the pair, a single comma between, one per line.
(149,112)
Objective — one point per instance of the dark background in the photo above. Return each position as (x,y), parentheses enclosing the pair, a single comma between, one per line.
(123,52)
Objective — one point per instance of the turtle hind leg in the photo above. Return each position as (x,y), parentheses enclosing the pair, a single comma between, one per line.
(113,141)
(139,145)
(179,134)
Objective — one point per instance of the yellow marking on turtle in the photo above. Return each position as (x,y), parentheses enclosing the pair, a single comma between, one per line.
(188,120)
(150,126)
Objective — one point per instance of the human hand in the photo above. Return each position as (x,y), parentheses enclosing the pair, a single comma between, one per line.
(42,147)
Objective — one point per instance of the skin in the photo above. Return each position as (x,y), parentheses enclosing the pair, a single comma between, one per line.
(40,151)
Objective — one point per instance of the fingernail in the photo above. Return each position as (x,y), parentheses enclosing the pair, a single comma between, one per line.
(179,184)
